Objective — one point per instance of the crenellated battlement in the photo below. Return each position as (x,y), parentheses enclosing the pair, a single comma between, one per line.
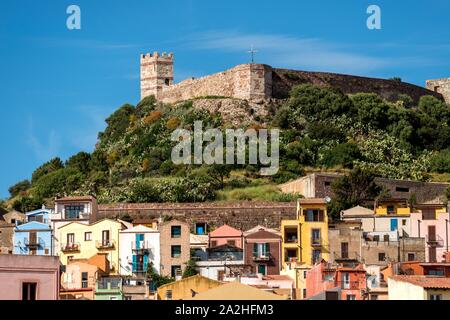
(157,55)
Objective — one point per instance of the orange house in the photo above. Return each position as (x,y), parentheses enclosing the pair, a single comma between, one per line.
(226,235)
(326,281)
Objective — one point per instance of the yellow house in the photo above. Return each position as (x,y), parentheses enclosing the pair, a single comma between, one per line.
(403,287)
(305,240)
(298,273)
(81,241)
(186,288)
(392,207)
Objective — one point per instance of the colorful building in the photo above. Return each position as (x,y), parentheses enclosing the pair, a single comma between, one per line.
(35,237)
(431,222)
(347,281)
(81,275)
(186,288)
(305,240)
(81,241)
(29,277)
(406,287)
(109,288)
(262,250)
(139,248)
(8,223)
(226,235)
(175,247)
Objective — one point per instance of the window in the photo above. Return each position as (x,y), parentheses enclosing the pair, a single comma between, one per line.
(435,296)
(88,236)
(327,183)
(436,272)
(376,238)
(46,252)
(304,293)
(176,231)
(200,228)
(167,82)
(231,243)
(261,250)
(13,221)
(351,297)
(411,257)
(344,250)
(105,238)
(314,215)
(84,280)
(176,251)
(316,254)
(390,209)
(381,256)
(29,290)
(404,222)
(315,236)
(213,243)
(176,271)
(304,274)
(374,297)
(73,212)
(386,238)
(401,189)
(169,295)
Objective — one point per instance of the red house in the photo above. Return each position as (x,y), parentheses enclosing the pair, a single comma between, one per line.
(226,235)
(326,281)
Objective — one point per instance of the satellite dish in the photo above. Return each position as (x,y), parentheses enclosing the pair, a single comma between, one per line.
(327,199)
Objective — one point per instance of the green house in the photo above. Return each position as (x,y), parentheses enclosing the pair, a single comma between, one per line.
(109,289)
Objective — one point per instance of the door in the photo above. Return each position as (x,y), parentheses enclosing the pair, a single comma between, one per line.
(70,239)
(346,280)
(105,237)
(262,269)
(33,238)
(344,250)
(139,241)
(432,254)
(394,224)
(431,233)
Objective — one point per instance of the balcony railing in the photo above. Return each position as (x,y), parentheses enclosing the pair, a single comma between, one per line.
(264,256)
(139,268)
(316,241)
(109,284)
(36,243)
(141,246)
(435,241)
(70,247)
(349,285)
(105,244)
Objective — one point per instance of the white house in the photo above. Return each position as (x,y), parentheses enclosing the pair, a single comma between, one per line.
(138,247)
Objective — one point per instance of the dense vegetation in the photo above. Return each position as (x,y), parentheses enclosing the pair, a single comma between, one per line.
(321,128)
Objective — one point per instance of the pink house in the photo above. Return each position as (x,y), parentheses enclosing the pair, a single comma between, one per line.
(226,235)
(433,225)
(29,277)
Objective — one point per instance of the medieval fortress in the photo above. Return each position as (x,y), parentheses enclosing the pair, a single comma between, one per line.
(259,83)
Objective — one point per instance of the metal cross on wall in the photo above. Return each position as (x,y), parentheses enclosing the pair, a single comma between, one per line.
(252,52)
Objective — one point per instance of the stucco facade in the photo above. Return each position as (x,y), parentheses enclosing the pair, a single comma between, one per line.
(81,241)
(29,277)
(139,247)
(175,247)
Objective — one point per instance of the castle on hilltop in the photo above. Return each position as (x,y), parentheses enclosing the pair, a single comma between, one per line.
(259,82)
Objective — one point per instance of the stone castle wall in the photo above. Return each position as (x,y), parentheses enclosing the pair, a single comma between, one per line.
(246,81)
(241,215)
(441,86)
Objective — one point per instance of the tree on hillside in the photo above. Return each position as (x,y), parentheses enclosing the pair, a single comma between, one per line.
(19,187)
(46,168)
(80,162)
(352,190)
(118,123)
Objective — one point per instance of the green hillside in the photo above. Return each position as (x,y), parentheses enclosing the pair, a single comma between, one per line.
(321,129)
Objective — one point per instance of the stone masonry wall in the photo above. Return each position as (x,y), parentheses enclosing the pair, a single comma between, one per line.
(441,86)
(246,81)
(240,215)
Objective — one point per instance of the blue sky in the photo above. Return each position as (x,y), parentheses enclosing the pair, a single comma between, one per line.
(58,86)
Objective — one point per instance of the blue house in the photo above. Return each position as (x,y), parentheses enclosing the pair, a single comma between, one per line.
(35,237)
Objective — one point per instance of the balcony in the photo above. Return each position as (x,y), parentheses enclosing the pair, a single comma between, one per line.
(70,247)
(141,246)
(316,241)
(139,268)
(349,285)
(434,241)
(35,243)
(106,244)
(261,257)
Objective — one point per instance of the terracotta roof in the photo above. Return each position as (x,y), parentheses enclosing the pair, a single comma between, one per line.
(312,201)
(278,277)
(225,231)
(357,211)
(427,282)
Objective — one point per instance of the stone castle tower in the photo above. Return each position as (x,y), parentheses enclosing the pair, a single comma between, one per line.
(441,86)
(156,73)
